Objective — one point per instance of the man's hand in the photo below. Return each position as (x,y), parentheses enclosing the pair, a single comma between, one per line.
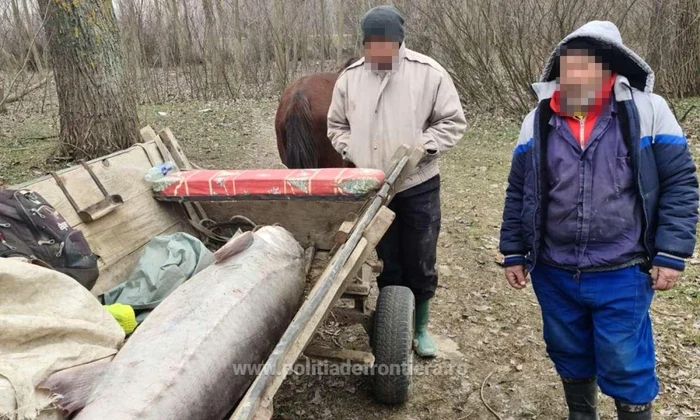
(517,276)
(428,155)
(664,278)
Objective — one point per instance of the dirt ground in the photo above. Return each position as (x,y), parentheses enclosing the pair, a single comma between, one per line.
(489,334)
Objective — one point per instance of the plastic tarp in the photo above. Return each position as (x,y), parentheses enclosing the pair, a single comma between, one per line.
(167,262)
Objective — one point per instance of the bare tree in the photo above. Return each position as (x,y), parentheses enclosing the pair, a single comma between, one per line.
(341,34)
(183,49)
(98,115)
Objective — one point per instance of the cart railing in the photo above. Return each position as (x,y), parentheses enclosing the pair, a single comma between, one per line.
(368,230)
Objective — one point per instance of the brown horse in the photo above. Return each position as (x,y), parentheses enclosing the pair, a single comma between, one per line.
(301,123)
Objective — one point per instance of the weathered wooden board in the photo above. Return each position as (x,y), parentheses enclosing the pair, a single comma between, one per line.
(312,314)
(119,271)
(340,355)
(120,236)
(311,222)
(121,173)
(137,222)
(148,134)
(353,264)
(175,150)
(171,150)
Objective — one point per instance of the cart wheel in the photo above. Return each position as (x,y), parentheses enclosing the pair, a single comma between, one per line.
(393,345)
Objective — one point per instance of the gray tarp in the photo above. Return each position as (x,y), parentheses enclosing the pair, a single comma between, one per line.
(167,262)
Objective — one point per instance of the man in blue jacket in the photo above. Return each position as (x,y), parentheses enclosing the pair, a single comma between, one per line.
(601,209)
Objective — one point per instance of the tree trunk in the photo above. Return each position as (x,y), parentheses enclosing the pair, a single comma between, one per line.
(237,21)
(98,115)
(657,28)
(162,80)
(38,62)
(687,42)
(324,34)
(212,55)
(341,35)
(238,38)
(3,109)
(280,43)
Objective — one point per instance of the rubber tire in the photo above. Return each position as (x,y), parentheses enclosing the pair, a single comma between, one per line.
(393,345)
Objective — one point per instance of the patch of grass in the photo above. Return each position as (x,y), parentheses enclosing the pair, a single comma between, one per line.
(220,134)
(687,292)
(214,134)
(25,147)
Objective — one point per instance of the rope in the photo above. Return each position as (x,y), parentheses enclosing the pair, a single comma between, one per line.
(212,229)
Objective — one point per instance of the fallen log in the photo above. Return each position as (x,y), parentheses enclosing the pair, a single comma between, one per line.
(14,98)
(196,353)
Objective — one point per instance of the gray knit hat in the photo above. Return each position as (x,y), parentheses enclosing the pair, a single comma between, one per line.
(383,21)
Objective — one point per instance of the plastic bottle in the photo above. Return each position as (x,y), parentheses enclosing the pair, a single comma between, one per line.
(159,171)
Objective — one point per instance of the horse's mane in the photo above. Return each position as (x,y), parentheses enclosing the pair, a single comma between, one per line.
(349,62)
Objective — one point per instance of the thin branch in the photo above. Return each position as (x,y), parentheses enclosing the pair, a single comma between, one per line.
(26,59)
(14,98)
(481,393)
(692,107)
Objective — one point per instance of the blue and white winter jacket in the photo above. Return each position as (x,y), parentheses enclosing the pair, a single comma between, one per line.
(663,169)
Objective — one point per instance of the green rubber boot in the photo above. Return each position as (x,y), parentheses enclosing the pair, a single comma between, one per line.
(425,346)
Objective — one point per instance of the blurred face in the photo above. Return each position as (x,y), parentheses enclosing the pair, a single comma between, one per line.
(581,78)
(381,54)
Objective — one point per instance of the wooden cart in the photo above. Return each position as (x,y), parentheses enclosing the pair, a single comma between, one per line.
(343,233)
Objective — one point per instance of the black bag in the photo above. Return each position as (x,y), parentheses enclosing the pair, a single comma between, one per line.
(31,228)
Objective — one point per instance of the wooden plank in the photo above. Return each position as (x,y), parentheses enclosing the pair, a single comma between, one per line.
(309,254)
(175,150)
(350,269)
(121,173)
(366,274)
(148,134)
(403,150)
(177,155)
(354,316)
(311,314)
(344,231)
(264,413)
(311,222)
(164,152)
(118,237)
(371,226)
(119,271)
(356,289)
(379,225)
(377,266)
(415,155)
(360,285)
(340,355)
(291,355)
(130,227)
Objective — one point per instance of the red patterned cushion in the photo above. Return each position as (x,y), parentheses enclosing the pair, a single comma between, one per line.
(349,183)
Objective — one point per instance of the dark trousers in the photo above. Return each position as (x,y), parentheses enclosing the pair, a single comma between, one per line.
(409,247)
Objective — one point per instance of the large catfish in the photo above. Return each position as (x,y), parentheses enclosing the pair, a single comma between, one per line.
(196,353)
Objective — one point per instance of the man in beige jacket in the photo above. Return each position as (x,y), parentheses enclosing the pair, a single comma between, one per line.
(390,97)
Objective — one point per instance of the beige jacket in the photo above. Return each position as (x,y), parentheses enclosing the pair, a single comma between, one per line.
(374,112)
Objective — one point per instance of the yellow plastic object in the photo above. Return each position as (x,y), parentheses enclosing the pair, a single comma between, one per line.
(125,316)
